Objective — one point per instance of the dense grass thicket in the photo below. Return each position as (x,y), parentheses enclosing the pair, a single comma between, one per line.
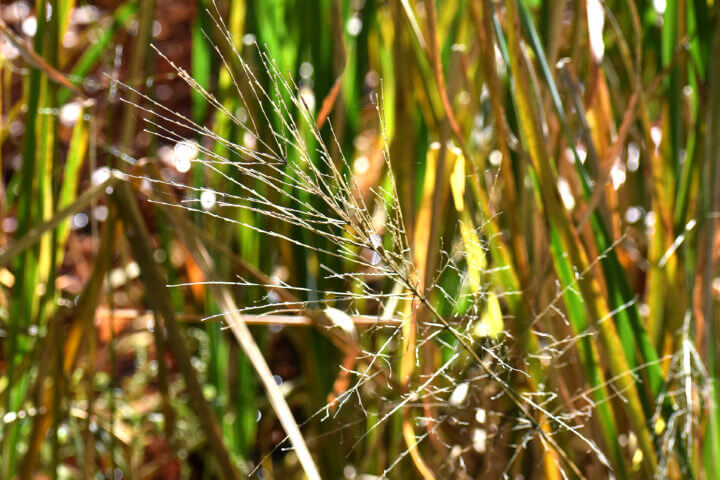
(360,239)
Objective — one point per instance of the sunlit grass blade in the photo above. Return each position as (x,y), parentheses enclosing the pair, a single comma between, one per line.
(557,216)
(621,297)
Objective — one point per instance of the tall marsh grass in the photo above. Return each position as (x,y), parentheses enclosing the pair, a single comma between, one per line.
(376,240)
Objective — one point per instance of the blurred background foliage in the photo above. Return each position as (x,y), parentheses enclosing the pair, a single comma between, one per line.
(562,156)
